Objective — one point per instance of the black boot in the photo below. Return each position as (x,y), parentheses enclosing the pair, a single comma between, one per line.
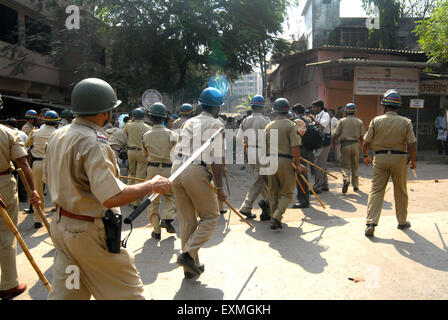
(168,226)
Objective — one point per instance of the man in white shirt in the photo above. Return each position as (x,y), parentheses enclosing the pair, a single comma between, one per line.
(335,154)
(322,119)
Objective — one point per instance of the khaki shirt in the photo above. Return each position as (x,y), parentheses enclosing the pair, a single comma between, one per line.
(38,139)
(255,121)
(158,143)
(349,128)
(11,148)
(179,122)
(135,131)
(81,169)
(287,136)
(117,137)
(390,132)
(27,128)
(195,132)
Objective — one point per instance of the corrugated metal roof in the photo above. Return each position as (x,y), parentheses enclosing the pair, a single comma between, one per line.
(366,62)
(373,50)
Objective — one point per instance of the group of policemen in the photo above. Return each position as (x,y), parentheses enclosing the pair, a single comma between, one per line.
(78,163)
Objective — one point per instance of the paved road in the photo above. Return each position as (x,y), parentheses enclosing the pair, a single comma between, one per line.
(312,257)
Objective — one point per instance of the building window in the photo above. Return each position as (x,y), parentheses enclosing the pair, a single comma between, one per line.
(8,25)
(354,37)
(326,1)
(37,36)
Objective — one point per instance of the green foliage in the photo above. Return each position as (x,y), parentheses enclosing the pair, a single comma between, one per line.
(433,34)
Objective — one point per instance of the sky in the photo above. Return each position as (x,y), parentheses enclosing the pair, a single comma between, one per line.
(294,23)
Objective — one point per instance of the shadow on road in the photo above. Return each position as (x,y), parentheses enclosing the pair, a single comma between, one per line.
(155,258)
(195,290)
(421,251)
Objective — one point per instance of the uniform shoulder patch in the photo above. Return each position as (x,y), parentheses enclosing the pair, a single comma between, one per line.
(101,138)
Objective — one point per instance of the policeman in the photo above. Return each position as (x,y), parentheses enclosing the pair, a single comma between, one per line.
(67,117)
(11,149)
(117,137)
(38,141)
(193,196)
(186,111)
(349,131)
(156,146)
(81,172)
(254,123)
(303,196)
(281,184)
(391,137)
(31,121)
(137,161)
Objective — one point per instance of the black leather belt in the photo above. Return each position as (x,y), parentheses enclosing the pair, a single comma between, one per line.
(37,159)
(134,148)
(391,151)
(202,163)
(157,164)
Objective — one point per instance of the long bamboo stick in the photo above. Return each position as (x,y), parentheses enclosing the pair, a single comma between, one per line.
(30,195)
(16,233)
(317,167)
(228,204)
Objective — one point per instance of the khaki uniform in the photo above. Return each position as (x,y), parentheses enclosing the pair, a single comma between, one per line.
(349,130)
(281,184)
(157,145)
(38,140)
(117,138)
(137,161)
(257,121)
(27,128)
(179,122)
(11,148)
(193,197)
(389,132)
(81,172)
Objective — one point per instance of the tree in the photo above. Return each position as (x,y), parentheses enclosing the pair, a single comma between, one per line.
(433,34)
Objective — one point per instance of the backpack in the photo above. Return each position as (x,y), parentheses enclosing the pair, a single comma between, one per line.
(313,137)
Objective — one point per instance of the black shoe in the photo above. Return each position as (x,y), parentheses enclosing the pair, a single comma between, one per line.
(189,275)
(28,211)
(301,205)
(37,225)
(317,191)
(325,189)
(356,189)
(186,261)
(369,230)
(404,226)
(168,226)
(248,215)
(155,235)
(275,224)
(345,186)
(265,210)
(222,211)
(264,217)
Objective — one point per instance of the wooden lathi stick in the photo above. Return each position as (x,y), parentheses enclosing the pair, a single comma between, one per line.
(16,233)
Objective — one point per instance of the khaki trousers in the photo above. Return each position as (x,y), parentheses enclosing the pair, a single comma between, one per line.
(169,207)
(320,178)
(350,163)
(38,167)
(258,187)
(137,168)
(193,196)
(82,245)
(281,188)
(385,166)
(8,242)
